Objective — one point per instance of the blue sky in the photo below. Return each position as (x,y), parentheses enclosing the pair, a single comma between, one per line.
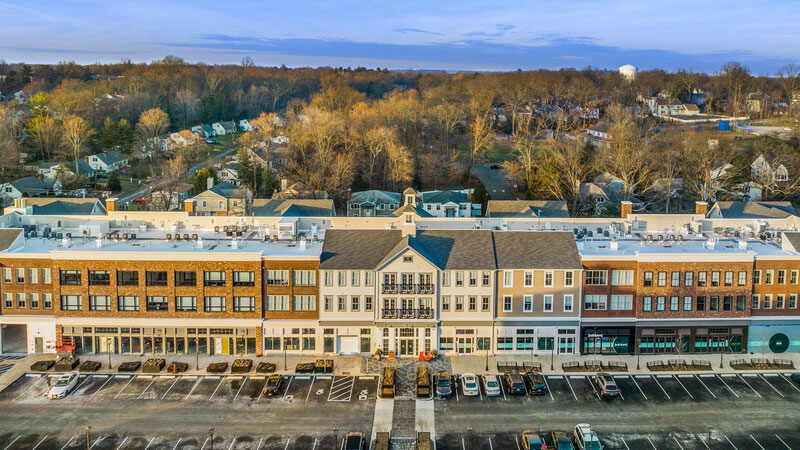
(451,35)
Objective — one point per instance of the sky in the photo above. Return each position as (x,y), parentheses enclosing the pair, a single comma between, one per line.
(479,35)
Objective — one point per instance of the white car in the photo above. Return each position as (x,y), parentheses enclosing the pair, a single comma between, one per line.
(491,386)
(64,385)
(469,384)
(586,438)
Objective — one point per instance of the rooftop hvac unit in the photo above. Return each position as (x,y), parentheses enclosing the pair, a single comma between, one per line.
(235,244)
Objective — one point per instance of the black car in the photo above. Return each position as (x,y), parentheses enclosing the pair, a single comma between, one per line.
(515,384)
(273,385)
(535,382)
(354,441)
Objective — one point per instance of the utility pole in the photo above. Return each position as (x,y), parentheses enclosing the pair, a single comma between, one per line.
(87,429)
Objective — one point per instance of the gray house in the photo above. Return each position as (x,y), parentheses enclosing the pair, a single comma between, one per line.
(372,203)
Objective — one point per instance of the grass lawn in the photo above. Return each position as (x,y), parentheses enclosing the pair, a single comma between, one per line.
(788,123)
(500,151)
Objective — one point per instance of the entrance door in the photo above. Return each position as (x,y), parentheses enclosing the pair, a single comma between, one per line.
(464,345)
(39,344)
(566,345)
(408,347)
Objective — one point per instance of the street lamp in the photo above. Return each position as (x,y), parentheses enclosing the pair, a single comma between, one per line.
(196,353)
(108,347)
(638,351)
(335,437)
(87,429)
(285,344)
(211,436)
(486,347)
(708,436)
(552,354)
(469,438)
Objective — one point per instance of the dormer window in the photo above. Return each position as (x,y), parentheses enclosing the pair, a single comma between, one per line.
(410,200)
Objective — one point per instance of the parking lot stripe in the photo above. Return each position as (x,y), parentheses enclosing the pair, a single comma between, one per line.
(759,444)
(625,443)
(312,448)
(81,383)
(240,389)
(43,377)
(199,379)
(704,385)
(287,388)
(662,387)
(729,388)
(151,441)
(221,379)
(170,387)
(548,388)
(12,443)
(258,447)
(729,442)
(748,385)
(770,385)
(676,441)
(684,388)
(145,389)
(287,444)
(204,444)
(68,442)
(313,379)
(515,440)
(784,443)
(122,443)
(591,385)
(96,441)
(651,443)
(176,444)
(571,390)
(790,382)
(502,389)
(490,444)
(123,388)
(638,387)
(232,442)
(45,437)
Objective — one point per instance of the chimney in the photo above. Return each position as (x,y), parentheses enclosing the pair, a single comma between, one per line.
(209,182)
(188,206)
(701,208)
(111,204)
(40,176)
(105,154)
(284,184)
(21,203)
(625,209)
(349,193)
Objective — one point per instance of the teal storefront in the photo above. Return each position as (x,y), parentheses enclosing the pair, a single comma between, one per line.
(774,336)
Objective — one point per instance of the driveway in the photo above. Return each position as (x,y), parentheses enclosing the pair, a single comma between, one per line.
(497,184)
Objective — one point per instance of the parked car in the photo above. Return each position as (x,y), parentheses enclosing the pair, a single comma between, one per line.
(63,386)
(561,441)
(586,438)
(444,387)
(273,385)
(491,386)
(535,382)
(607,386)
(532,441)
(796,377)
(354,441)
(515,384)
(140,201)
(211,141)
(469,384)
(494,166)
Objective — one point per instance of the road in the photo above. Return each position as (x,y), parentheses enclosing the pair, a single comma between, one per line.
(497,185)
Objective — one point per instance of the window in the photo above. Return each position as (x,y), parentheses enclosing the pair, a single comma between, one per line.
(328,303)
(368,303)
(328,277)
(214,304)
(459,279)
(341,278)
(473,303)
(20,272)
(8,300)
(46,276)
(310,343)
(701,303)
(281,278)
(214,278)
(99,303)
(186,304)
(701,279)
(792,301)
(660,303)
(277,303)
(621,302)
(309,277)
(742,278)
(508,278)
(768,276)
(713,303)
(20,300)
(99,278)
(368,279)
(568,278)
(33,276)
(156,278)
(548,303)
(355,303)
(740,302)
(47,300)
(71,303)
(594,302)
(688,279)
(507,303)
(673,303)
(487,277)
(793,277)
(621,277)
(527,278)
(244,278)
(781,276)
(341,306)
(127,278)
(662,279)
(157,303)
(446,343)
(687,303)
(445,303)
(728,278)
(527,303)
(675,279)
(485,303)
(596,277)
(183,278)
(647,303)
(34,300)
(128,303)
(755,302)
(648,279)
(779,301)
(6,275)
(459,303)
(727,303)
(756,277)
(70,277)
(244,304)
(355,278)
(505,343)
(473,279)
(445,278)
(568,303)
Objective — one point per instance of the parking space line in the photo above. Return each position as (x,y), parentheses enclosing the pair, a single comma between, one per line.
(684,388)
(571,390)
(759,444)
(662,387)
(591,385)
(43,377)
(676,441)
(770,385)
(145,389)
(623,441)
(779,438)
(287,388)
(45,437)
(244,380)
(731,390)
(313,379)
(12,443)
(287,444)
(81,383)
(548,388)
(199,379)
(170,387)
(258,447)
(68,442)
(704,385)
(232,442)
(95,442)
(204,444)
(122,443)
(748,385)
(123,387)
(638,387)
(651,443)
(221,379)
(312,448)
(480,391)
(176,444)
(151,441)
(491,447)
(729,441)
(790,382)
(502,389)
(515,440)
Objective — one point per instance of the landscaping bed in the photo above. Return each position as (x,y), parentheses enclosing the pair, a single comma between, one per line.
(305,368)
(66,364)
(177,367)
(43,366)
(130,366)
(219,367)
(89,366)
(153,365)
(323,366)
(594,366)
(242,366)
(265,367)
(762,364)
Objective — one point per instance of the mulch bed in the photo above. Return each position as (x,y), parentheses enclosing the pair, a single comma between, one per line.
(66,364)
(323,366)
(305,368)
(242,366)
(89,366)
(265,367)
(153,365)
(177,367)
(130,366)
(43,366)
(219,367)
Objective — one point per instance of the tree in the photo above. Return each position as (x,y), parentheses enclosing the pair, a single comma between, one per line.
(153,123)
(377,141)
(626,156)
(570,168)
(69,181)
(174,170)
(46,134)
(704,164)
(481,134)
(779,159)
(250,172)
(400,165)
(114,184)
(790,81)
(524,165)
(480,195)
(77,135)
(736,78)
(200,180)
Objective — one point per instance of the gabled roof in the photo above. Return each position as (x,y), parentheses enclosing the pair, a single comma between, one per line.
(8,236)
(600,127)
(228,190)
(374,196)
(536,250)
(111,157)
(66,206)
(407,208)
(292,207)
(754,210)
(444,197)
(228,125)
(527,208)
(456,249)
(357,249)
(83,166)
(33,185)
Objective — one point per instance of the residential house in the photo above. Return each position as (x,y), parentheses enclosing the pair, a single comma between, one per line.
(542,209)
(198,130)
(751,210)
(30,187)
(107,161)
(52,169)
(599,133)
(157,144)
(223,199)
(276,207)
(223,128)
(244,125)
(181,139)
(298,190)
(57,206)
(443,203)
(228,175)
(209,131)
(606,191)
(21,96)
(372,203)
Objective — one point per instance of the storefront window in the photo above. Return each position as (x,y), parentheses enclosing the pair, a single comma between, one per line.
(328,345)
(544,343)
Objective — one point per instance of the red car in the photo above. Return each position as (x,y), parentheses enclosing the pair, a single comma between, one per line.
(140,201)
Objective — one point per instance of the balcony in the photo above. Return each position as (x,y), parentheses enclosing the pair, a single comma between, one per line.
(425,313)
(408,288)
(389,288)
(425,288)
(407,313)
(389,314)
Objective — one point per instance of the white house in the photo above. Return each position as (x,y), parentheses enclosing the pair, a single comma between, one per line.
(228,174)
(444,203)
(761,169)
(51,169)
(219,130)
(108,161)
(197,129)
(30,187)
(244,125)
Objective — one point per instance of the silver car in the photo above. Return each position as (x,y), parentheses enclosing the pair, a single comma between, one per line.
(64,385)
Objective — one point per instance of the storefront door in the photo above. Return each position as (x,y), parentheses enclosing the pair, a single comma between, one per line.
(408,347)
(566,345)
(464,345)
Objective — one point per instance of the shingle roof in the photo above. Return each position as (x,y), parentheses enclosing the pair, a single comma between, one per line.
(456,249)
(793,238)
(411,208)
(83,166)
(292,207)
(375,196)
(527,208)
(356,249)
(33,185)
(66,206)
(8,236)
(444,197)
(110,157)
(228,190)
(536,250)
(755,210)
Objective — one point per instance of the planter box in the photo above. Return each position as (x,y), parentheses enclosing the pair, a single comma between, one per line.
(304,368)
(323,366)
(242,366)
(130,366)
(177,367)
(265,367)
(89,366)
(42,366)
(153,365)
(66,364)
(220,367)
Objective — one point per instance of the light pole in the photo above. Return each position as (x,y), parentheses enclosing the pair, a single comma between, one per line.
(638,351)
(211,436)
(469,438)
(721,354)
(87,429)
(285,343)
(487,356)
(335,437)
(196,353)
(708,436)
(552,355)
(108,347)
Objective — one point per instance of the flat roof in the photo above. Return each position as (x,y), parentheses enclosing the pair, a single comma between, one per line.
(695,248)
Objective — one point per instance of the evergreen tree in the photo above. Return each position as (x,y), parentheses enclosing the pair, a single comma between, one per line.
(480,195)
(200,179)
(113,182)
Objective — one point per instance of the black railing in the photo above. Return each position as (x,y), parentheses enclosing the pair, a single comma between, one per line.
(389,314)
(389,288)
(425,313)
(408,288)
(407,313)
(425,288)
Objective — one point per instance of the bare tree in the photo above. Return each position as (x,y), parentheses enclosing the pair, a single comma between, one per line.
(174,170)
(247,64)
(570,168)
(400,164)
(378,140)
(152,124)
(481,133)
(772,176)
(626,156)
(77,135)
(790,81)
(705,166)
(736,79)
